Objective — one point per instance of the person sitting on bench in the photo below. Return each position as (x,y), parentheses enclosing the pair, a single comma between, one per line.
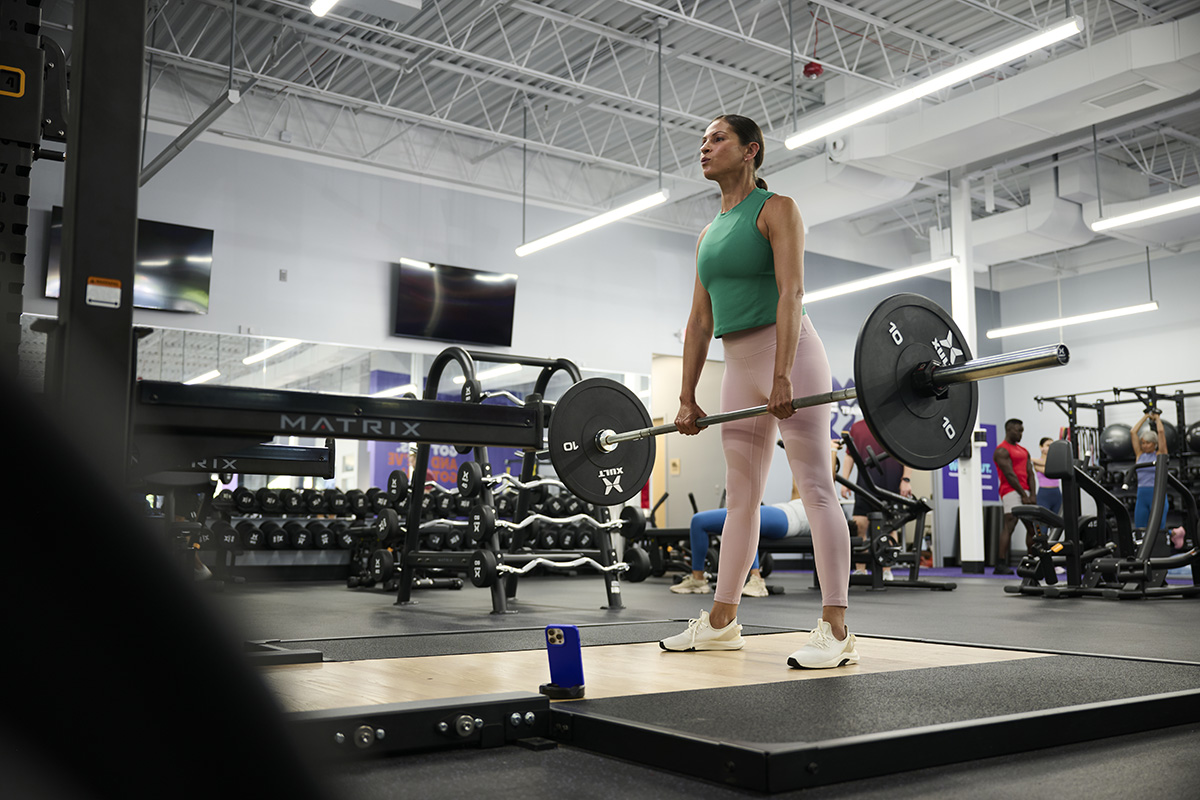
(777,521)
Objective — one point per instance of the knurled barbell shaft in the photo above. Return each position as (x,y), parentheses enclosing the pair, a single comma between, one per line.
(976,369)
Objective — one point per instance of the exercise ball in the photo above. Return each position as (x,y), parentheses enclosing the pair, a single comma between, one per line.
(1115,443)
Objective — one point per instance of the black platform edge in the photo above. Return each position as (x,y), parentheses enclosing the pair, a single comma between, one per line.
(480,721)
(983,646)
(787,767)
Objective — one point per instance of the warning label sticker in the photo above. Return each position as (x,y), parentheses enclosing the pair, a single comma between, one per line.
(104,292)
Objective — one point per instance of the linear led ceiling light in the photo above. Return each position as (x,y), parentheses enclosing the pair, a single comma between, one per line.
(273,350)
(934,83)
(412,262)
(661,196)
(997,333)
(595,222)
(208,376)
(1146,213)
(494,372)
(321,7)
(879,280)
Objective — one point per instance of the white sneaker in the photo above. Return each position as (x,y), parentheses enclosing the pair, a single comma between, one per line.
(887,574)
(755,587)
(702,636)
(692,585)
(823,651)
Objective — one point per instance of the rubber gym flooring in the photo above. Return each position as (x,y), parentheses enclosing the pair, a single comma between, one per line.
(931,661)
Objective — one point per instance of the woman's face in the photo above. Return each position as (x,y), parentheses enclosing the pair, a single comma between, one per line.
(1045,449)
(1147,447)
(721,152)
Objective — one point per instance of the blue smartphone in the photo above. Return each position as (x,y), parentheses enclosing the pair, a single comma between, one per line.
(566,658)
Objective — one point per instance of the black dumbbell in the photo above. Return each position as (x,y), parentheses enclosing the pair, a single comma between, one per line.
(446,505)
(566,537)
(252,538)
(547,538)
(292,502)
(356,501)
(223,500)
(244,500)
(314,501)
(382,564)
(378,499)
(434,540)
(322,536)
(585,539)
(455,539)
(506,504)
(268,501)
(276,537)
(299,536)
(342,538)
(470,479)
(204,538)
(336,502)
(397,486)
(225,536)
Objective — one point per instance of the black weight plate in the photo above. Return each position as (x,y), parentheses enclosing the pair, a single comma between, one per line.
(586,409)
(397,485)
(923,431)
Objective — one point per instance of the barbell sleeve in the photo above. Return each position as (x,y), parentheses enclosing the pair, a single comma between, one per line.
(978,369)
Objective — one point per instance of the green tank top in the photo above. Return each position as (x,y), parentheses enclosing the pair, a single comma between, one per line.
(737,268)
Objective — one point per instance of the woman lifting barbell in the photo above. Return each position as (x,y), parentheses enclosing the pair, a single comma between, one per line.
(748,292)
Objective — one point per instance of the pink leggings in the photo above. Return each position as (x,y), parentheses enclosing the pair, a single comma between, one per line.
(749,445)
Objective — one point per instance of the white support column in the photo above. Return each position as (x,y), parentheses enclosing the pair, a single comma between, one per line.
(962,309)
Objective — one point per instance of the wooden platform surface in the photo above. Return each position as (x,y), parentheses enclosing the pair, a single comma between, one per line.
(610,671)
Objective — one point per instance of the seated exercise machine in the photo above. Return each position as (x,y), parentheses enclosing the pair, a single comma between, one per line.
(1101,555)
(891,513)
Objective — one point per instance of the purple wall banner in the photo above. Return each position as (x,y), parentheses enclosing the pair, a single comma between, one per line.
(991,485)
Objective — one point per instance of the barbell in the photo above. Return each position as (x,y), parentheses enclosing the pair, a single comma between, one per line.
(914,378)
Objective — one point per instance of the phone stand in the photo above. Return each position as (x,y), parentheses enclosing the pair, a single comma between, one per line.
(556,692)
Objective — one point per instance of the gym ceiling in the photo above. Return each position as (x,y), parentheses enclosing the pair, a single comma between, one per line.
(558,102)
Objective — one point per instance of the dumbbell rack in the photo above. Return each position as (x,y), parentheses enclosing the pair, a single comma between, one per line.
(290,520)
(195,475)
(504,587)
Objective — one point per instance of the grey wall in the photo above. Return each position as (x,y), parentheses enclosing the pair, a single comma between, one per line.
(606,300)
(1153,348)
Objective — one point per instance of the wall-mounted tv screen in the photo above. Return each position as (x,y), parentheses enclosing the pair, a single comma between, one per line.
(173,268)
(453,304)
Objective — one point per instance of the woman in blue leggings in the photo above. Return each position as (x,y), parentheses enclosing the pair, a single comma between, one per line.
(777,521)
(1148,445)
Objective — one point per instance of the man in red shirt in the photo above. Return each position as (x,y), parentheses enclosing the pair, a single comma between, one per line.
(1017,486)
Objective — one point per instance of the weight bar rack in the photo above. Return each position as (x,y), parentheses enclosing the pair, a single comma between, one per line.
(486,565)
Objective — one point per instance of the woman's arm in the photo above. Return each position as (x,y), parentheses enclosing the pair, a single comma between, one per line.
(1133,433)
(785,232)
(696,339)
